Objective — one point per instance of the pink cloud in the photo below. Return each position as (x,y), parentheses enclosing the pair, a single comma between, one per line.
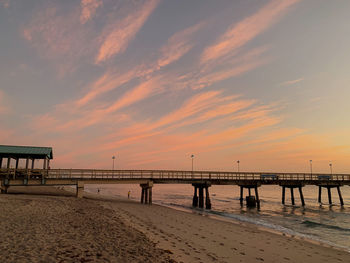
(178,45)
(88,9)
(118,36)
(241,33)
(105,83)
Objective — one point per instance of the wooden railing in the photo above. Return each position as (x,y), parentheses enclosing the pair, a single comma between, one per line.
(165,175)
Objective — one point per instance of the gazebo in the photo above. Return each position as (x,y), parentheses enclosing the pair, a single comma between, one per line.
(25,152)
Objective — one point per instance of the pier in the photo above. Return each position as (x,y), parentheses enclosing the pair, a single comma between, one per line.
(147,179)
(200,180)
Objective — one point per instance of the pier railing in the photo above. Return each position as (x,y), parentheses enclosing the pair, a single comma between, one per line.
(12,173)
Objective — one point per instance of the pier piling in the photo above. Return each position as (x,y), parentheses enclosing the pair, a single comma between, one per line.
(241,196)
(201,197)
(291,187)
(301,196)
(329,195)
(198,201)
(257,197)
(146,193)
(292,195)
(207,198)
(251,201)
(319,194)
(340,197)
(195,197)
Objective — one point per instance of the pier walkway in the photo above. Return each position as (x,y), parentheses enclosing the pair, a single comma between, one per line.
(201,181)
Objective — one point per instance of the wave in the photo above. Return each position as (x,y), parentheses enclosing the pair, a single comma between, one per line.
(309,223)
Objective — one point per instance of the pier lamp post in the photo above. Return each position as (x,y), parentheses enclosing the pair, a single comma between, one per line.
(331,167)
(311,166)
(113,158)
(192,156)
(238,166)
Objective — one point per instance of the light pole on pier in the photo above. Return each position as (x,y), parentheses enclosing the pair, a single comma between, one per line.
(113,158)
(192,156)
(311,166)
(331,167)
(238,166)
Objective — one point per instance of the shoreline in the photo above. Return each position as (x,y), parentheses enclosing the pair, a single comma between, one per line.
(237,221)
(189,236)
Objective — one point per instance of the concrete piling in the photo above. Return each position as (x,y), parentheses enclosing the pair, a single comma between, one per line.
(146,193)
(198,201)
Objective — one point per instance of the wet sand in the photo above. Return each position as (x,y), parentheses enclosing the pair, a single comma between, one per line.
(104,229)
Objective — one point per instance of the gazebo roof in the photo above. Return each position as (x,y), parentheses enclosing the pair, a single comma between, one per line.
(25,152)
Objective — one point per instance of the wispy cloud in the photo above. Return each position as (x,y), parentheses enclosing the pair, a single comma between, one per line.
(118,35)
(291,82)
(241,33)
(88,9)
(178,45)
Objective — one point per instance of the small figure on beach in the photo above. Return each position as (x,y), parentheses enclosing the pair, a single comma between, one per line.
(129,194)
(98,190)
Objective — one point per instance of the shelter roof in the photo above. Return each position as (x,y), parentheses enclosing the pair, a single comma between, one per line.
(25,152)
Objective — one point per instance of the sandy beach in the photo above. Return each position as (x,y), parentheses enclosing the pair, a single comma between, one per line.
(47,228)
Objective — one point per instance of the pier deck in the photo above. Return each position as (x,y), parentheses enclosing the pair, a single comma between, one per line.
(147,178)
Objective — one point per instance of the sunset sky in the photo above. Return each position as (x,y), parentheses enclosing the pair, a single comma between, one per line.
(152,82)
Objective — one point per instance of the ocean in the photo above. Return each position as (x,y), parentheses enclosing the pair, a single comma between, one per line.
(321,223)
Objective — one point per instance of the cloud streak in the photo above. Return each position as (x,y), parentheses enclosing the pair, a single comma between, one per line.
(117,36)
(88,9)
(241,33)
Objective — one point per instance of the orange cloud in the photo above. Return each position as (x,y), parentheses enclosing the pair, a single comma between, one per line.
(123,31)
(88,9)
(178,45)
(240,34)
(291,82)
(107,82)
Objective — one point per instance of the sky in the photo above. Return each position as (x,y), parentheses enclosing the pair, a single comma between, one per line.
(265,82)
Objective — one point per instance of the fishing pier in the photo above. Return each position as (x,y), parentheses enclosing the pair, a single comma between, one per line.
(147,179)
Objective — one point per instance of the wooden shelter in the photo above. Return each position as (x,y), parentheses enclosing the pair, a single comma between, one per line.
(25,152)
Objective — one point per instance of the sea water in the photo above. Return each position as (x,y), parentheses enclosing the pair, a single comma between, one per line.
(328,224)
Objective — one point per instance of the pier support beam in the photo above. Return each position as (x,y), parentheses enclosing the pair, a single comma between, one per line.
(241,196)
(329,186)
(207,198)
(319,194)
(146,193)
(198,201)
(329,195)
(201,197)
(301,196)
(291,186)
(195,197)
(80,189)
(257,197)
(292,195)
(340,197)
(251,201)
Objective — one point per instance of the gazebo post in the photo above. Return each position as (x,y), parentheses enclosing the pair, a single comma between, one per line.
(33,163)
(0,162)
(27,164)
(8,162)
